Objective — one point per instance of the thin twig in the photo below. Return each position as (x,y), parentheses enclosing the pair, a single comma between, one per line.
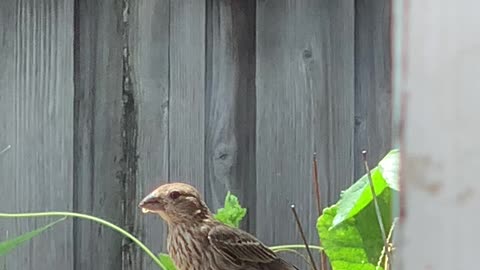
(388,261)
(5,149)
(323,258)
(375,201)
(303,236)
(390,249)
(317,185)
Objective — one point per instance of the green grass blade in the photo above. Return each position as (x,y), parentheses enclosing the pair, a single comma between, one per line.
(11,244)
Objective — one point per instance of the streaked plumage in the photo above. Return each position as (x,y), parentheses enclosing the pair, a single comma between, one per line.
(196,241)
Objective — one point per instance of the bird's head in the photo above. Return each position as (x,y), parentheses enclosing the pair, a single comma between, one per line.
(175,203)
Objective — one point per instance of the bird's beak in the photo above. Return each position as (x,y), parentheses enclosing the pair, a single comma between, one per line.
(151,203)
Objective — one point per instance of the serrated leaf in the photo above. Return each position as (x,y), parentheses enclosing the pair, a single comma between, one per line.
(232,212)
(11,244)
(359,195)
(166,260)
(356,243)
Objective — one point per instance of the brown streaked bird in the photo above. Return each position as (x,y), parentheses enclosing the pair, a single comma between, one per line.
(196,241)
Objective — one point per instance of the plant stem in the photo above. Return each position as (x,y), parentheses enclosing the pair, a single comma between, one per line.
(295,246)
(316,183)
(92,218)
(375,202)
(388,252)
(323,258)
(303,236)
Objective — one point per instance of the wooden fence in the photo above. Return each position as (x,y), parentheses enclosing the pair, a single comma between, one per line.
(102,101)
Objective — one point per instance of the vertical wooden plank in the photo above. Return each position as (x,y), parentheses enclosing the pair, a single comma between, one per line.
(284,119)
(334,100)
(98,132)
(230,104)
(304,104)
(149,71)
(187,92)
(373,95)
(36,112)
(440,136)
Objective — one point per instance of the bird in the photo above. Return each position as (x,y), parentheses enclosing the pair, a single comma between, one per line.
(197,241)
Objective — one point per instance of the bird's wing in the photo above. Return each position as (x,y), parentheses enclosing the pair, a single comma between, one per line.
(238,245)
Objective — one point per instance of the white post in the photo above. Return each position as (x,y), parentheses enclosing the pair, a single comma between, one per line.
(440,141)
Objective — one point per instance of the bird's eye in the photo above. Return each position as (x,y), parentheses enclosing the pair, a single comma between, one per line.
(174,195)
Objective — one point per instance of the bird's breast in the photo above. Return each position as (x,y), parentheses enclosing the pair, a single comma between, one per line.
(188,247)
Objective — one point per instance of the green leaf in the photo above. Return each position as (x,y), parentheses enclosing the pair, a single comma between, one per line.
(389,168)
(359,195)
(232,212)
(11,244)
(166,261)
(356,243)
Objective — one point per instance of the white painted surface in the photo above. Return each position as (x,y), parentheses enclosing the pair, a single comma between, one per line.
(441,139)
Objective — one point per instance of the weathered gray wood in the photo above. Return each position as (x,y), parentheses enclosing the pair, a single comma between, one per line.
(230,105)
(149,71)
(98,132)
(305,97)
(187,92)
(373,95)
(440,136)
(183,91)
(334,99)
(36,112)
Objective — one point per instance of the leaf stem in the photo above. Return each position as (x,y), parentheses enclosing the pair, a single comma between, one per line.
(92,218)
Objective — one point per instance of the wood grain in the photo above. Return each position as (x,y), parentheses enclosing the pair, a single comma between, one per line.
(333,113)
(149,74)
(305,100)
(98,132)
(373,95)
(36,112)
(226,95)
(230,105)
(186,123)
(440,135)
